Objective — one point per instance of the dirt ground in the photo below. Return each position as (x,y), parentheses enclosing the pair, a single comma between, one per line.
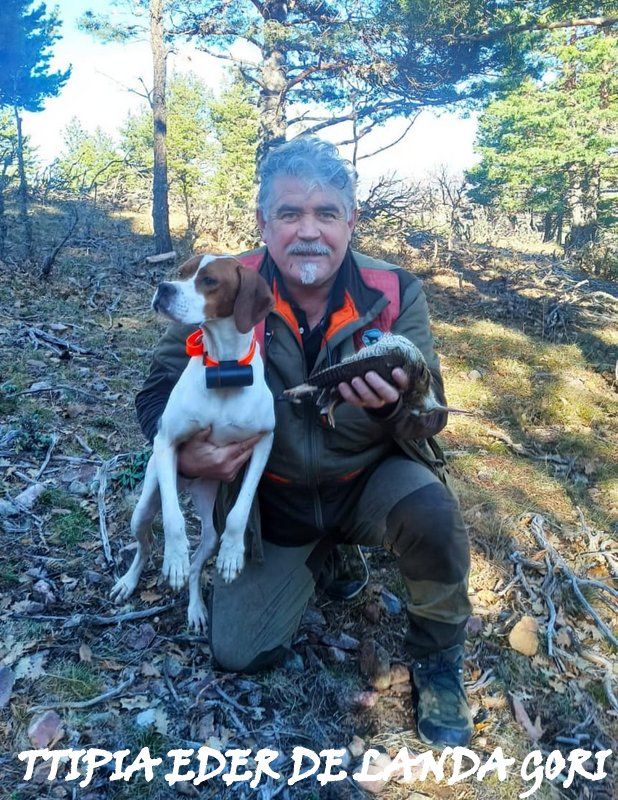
(526,343)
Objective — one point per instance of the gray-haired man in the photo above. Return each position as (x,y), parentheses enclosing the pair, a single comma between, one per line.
(376,478)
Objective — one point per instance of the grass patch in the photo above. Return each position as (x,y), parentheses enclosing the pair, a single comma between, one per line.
(157,789)
(73,682)
(72,528)
(72,525)
(9,574)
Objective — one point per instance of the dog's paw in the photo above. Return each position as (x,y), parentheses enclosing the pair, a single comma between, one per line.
(197,617)
(231,559)
(176,566)
(123,589)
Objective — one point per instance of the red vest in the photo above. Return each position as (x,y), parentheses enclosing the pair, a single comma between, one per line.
(385,281)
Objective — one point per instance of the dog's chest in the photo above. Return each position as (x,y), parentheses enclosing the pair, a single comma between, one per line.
(234,414)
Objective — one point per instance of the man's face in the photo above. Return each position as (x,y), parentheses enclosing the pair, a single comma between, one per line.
(306,232)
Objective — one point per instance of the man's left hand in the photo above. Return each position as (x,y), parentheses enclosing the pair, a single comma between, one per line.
(372,391)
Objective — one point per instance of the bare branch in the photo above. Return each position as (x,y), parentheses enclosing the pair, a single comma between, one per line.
(49,263)
(224,57)
(327,123)
(250,78)
(392,144)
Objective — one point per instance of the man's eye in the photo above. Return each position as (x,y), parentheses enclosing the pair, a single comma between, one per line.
(329,215)
(288,216)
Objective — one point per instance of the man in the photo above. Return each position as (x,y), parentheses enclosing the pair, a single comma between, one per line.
(373,479)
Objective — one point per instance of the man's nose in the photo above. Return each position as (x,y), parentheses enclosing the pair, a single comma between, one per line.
(308,227)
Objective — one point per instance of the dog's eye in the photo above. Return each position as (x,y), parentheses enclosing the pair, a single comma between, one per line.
(206,280)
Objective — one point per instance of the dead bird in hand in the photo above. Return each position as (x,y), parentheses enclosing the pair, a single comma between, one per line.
(389,352)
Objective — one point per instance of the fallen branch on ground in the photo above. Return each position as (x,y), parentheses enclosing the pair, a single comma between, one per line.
(102,476)
(37,334)
(523,451)
(100,619)
(536,527)
(88,703)
(161,257)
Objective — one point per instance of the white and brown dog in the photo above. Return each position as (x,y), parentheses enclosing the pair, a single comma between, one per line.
(226,300)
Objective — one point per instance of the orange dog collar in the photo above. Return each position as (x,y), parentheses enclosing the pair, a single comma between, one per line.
(194,346)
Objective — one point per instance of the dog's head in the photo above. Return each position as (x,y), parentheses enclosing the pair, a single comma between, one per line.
(213,287)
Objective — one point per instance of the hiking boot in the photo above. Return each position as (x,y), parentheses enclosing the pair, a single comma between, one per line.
(345,573)
(442,715)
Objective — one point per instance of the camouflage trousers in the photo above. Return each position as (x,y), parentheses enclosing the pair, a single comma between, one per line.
(402,506)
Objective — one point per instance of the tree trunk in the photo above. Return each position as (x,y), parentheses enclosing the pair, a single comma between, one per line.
(160,208)
(548,227)
(583,201)
(23,188)
(2,220)
(273,77)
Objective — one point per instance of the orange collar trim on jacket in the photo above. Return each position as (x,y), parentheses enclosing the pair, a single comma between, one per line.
(194,346)
(342,317)
(339,319)
(284,309)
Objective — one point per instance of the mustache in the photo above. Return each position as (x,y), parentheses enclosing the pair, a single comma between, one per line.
(308,250)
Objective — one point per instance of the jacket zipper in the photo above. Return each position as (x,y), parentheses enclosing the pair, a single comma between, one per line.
(311,413)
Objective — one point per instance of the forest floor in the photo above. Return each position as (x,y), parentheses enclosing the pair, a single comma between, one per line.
(526,343)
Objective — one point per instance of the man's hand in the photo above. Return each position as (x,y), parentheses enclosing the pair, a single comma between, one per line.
(198,458)
(372,391)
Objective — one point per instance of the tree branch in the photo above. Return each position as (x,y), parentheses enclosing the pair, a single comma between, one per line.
(597,22)
(352,115)
(224,57)
(311,71)
(392,144)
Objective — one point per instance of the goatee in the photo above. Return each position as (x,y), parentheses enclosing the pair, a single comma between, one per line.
(308,272)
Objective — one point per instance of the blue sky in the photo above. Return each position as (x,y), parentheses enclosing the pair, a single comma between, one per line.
(98,93)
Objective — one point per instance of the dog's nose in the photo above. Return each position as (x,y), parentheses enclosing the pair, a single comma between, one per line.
(162,295)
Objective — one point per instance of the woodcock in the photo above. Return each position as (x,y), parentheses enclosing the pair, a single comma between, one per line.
(389,352)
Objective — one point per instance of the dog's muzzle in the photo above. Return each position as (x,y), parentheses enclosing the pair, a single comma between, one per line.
(163,296)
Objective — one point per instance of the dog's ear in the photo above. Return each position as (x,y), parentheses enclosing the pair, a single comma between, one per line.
(190,267)
(253,301)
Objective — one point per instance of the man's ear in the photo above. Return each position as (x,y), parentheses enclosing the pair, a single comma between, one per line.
(353,220)
(261,221)
(254,300)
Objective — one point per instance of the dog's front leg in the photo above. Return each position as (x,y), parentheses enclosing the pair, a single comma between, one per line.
(231,558)
(204,493)
(176,552)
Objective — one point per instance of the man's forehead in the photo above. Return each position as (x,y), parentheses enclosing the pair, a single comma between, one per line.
(294,192)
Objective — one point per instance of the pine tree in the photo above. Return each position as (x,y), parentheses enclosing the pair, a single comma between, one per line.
(151,18)
(190,147)
(232,186)
(27,36)
(359,62)
(8,157)
(88,160)
(550,145)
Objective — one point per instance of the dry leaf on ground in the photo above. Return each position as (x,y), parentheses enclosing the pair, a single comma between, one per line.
(524,636)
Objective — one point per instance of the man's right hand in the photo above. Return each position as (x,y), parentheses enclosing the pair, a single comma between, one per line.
(199,458)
